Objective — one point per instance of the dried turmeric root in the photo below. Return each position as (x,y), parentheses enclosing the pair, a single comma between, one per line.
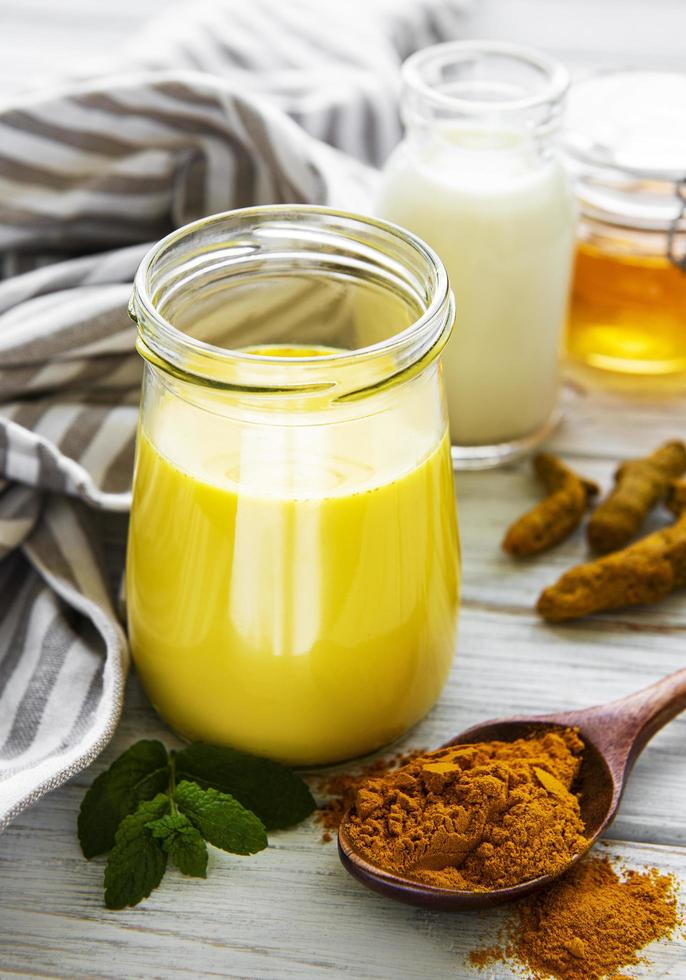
(644,572)
(553,519)
(676,497)
(639,484)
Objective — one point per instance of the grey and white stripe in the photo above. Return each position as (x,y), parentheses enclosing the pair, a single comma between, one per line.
(217,105)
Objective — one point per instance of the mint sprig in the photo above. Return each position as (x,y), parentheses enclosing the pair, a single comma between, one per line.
(136,863)
(138,774)
(272,791)
(184,844)
(221,819)
(152,806)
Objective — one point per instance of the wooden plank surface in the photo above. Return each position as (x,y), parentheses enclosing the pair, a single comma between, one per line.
(318,922)
(291,911)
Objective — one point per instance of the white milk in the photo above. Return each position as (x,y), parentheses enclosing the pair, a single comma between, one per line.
(501,217)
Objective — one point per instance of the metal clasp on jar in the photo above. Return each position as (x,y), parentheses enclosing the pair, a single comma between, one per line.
(674,228)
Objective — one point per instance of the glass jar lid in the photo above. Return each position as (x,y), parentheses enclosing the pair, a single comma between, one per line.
(625,141)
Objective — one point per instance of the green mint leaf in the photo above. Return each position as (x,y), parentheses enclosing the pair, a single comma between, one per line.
(138,774)
(182,842)
(221,819)
(278,796)
(137,861)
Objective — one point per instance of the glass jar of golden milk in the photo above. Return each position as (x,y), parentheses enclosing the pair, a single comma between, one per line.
(292,572)
(625,143)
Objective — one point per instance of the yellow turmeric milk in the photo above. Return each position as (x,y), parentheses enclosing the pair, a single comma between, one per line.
(628,312)
(307,617)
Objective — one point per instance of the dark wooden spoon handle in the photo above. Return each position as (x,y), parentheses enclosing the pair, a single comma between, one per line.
(622,729)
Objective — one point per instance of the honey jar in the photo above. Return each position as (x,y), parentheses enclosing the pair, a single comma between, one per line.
(625,142)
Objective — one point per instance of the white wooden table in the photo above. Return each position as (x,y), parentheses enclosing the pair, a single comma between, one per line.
(292,911)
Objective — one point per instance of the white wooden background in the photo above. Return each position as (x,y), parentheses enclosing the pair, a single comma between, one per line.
(291,911)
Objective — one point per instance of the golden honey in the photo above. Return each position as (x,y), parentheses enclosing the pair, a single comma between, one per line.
(628,312)
(625,145)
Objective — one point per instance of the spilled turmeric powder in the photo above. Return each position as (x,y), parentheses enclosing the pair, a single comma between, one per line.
(588,925)
(639,485)
(644,572)
(557,515)
(339,788)
(476,817)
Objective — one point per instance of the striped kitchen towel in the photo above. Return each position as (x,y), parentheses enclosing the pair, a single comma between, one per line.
(217,105)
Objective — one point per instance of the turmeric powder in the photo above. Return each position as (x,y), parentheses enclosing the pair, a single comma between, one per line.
(640,484)
(643,572)
(554,518)
(340,788)
(476,817)
(589,924)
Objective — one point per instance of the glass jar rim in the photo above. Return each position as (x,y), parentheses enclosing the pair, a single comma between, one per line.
(552,90)
(172,349)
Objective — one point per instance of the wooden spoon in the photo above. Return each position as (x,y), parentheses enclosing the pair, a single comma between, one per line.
(614,735)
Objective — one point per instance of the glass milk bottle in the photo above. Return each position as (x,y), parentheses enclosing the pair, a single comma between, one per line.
(478,177)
